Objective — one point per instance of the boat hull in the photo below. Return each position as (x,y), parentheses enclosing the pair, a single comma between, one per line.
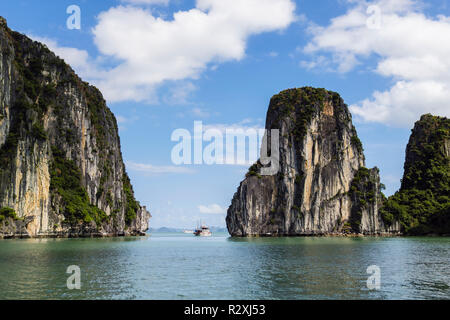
(203,234)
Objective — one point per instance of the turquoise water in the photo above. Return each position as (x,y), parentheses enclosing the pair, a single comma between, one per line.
(179,266)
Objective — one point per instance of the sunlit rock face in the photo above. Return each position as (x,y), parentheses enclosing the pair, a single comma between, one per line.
(61,167)
(314,191)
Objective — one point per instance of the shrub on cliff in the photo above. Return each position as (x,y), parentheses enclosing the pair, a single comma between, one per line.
(6,212)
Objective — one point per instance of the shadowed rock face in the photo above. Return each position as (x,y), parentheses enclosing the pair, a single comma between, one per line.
(314,192)
(61,168)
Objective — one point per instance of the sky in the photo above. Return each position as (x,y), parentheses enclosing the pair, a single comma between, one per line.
(164,65)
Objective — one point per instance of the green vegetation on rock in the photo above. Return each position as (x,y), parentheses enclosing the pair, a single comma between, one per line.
(66,181)
(253,170)
(6,213)
(28,106)
(132,206)
(362,192)
(38,131)
(422,205)
(357,143)
(98,114)
(301,104)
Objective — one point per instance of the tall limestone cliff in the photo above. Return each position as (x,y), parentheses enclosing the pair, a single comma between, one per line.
(322,186)
(422,205)
(61,168)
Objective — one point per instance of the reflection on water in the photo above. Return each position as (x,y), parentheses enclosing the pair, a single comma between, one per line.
(174,266)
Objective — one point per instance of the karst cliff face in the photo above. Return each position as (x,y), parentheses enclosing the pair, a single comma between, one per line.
(61,168)
(322,186)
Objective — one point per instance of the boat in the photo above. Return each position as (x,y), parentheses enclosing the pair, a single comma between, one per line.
(203,231)
(188,231)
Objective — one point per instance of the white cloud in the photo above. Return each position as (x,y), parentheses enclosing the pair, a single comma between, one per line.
(154,50)
(151,169)
(211,209)
(78,59)
(125,122)
(319,62)
(244,125)
(121,119)
(160,2)
(198,112)
(411,48)
(126,119)
(244,152)
(179,93)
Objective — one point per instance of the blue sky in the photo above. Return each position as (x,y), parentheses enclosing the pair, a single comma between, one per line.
(219,62)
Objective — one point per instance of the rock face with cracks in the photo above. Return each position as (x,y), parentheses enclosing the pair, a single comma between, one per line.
(322,186)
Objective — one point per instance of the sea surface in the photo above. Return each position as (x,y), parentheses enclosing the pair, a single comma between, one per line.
(181,266)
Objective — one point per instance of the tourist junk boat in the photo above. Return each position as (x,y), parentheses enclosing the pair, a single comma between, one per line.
(203,231)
